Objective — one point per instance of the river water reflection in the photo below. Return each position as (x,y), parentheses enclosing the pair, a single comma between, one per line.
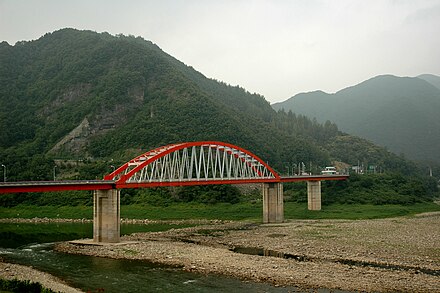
(31,244)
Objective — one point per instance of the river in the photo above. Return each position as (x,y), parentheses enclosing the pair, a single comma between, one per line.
(31,245)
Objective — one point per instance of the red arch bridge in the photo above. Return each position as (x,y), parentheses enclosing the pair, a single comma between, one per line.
(181,164)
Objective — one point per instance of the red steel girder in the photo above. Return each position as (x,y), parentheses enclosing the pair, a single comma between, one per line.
(193,183)
(49,186)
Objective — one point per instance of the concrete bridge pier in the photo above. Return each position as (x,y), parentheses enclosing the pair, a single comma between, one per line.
(273,203)
(106,216)
(314,195)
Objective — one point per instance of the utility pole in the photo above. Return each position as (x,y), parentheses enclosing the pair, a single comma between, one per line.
(54,174)
(4,173)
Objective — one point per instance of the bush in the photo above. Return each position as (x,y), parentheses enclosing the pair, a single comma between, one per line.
(209,194)
(23,286)
(164,196)
(65,198)
(374,189)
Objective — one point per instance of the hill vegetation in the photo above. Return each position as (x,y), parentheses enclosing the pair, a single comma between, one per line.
(79,95)
(400,113)
(75,103)
(88,96)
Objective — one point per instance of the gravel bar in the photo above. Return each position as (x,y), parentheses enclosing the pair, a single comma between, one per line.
(10,271)
(385,255)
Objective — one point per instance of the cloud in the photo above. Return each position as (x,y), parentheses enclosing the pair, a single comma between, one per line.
(275,48)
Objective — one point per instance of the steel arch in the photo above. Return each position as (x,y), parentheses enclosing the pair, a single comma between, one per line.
(193,163)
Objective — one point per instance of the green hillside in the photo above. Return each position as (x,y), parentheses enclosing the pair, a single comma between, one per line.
(83,101)
(400,113)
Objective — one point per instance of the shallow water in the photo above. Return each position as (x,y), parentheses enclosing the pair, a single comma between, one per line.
(31,244)
(110,275)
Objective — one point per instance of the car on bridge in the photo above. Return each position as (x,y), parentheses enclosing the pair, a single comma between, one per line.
(329,171)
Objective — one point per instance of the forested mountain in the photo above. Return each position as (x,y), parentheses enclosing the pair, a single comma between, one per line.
(96,100)
(400,113)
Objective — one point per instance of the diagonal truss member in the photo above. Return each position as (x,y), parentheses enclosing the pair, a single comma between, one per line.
(206,162)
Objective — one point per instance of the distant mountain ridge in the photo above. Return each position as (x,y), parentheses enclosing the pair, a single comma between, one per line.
(432,79)
(400,113)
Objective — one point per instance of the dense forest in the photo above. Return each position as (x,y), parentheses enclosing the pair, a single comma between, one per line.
(75,103)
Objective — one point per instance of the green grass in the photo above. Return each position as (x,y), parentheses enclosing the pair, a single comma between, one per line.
(241,211)
(357,211)
(52,212)
(223,211)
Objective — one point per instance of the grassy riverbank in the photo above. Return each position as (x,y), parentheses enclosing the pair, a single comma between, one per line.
(240,211)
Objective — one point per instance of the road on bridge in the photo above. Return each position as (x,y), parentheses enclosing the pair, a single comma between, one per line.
(50,186)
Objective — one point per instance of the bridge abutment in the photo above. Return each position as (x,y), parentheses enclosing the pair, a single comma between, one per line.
(273,203)
(106,215)
(314,195)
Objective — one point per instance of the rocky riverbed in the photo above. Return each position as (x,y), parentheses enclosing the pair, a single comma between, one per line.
(386,255)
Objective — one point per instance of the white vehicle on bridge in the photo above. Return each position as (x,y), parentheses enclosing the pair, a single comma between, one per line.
(329,171)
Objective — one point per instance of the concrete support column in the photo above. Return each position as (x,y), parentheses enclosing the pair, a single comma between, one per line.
(273,203)
(106,215)
(314,195)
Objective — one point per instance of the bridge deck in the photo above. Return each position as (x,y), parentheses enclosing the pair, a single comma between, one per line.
(314,178)
(48,186)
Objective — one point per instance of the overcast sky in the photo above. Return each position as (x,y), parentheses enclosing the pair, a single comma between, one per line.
(275,48)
